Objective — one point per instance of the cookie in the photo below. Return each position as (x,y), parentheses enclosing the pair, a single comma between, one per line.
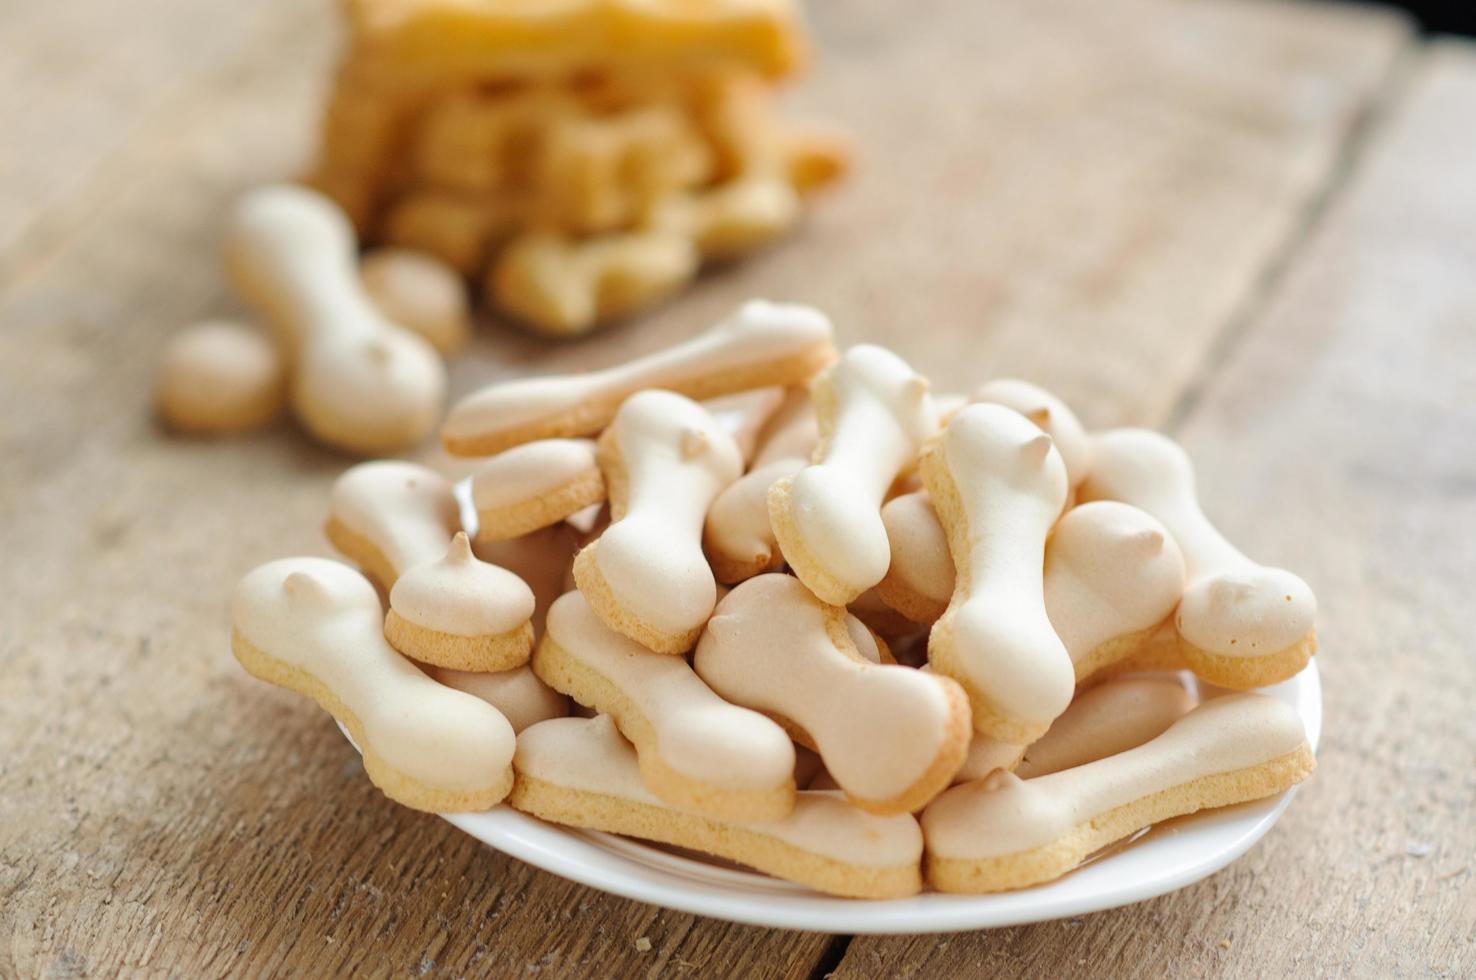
(315,627)
(534,485)
(563,286)
(891,736)
(418,292)
(696,751)
(874,413)
(598,170)
(388,516)
(919,580)
(1106,720)
(997,485)
(460,229)
(220,377)
(1055,418)
(461,612)
(1112,717)
(1240,624)
(523,699)
(761,344)
(745,415)
(726,220)
(544,559)
(1003,832)
(737,536)
(438,45)
(581,773)
(1113,576)
(359,382)
(664,460)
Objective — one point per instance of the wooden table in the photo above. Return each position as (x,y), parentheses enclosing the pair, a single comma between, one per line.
(1253,224)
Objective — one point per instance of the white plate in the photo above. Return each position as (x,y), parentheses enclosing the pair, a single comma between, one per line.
(1164,859)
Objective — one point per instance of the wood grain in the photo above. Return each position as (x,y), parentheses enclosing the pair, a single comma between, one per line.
(83,82)
(1338,440)
(1050,189)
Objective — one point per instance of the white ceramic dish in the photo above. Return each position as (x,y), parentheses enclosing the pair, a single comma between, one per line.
(1163,859)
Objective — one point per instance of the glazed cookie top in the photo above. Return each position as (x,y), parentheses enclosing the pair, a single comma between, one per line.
(406,510)
(667,460)
(1010,484)
(1112,717)
(1232,606)
(771,642)
(462,595)
(875,413)
(717,740)
(1110,569)
(757,335)
(792,431)
(359,380)
(744,414)
(324,618)
(526,472)
(1050,413)
(589,755)
(420,293)
(522,698)
(920,557)
(1003,814)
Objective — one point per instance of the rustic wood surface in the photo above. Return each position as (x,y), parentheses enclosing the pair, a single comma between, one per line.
(1251,221)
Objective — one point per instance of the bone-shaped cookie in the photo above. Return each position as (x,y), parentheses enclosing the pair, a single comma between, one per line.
(563,286)
(1115,716)
(1240,624)
(997,485)
(420,293)
(314,626)
(697,751)
(664,460)
(892,737)
(1113,576)
(737,536)
(544,559)
(534,485)
(731,218)
(599,171)
(919,581)
(874,413)
(1112,717)
(1003,832)
(388,516)
(1053,416)
(745,415)
(395,520)
(461,612)
(761,344)
(581,773)
(359,381)
(523,699)
(220,376)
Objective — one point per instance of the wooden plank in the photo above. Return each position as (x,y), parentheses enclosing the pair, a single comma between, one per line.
(160,811)
(1339,442)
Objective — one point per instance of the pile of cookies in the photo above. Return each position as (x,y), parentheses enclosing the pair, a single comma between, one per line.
(582,158)
(786,606)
